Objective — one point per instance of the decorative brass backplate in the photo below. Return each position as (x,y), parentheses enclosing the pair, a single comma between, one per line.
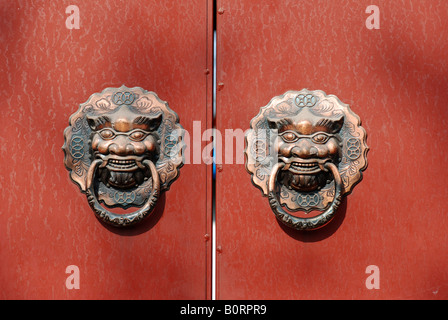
(123,147)
(305,151)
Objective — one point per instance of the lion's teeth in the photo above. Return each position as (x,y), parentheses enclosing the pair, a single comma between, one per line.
(122,163)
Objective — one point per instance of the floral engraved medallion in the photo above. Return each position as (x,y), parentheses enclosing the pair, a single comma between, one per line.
(115,150)
(306,150)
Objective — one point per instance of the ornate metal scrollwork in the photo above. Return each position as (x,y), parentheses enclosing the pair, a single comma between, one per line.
(306,150)
(123,147)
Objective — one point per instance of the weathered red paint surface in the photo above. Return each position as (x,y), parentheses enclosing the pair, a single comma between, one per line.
(396,80)
(46,223)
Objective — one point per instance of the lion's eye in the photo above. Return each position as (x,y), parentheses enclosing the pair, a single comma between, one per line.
(320,138)
(107,134)
(289,136)
(137,135)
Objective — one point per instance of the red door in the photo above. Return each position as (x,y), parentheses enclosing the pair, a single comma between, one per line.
(50,65)
(388,238)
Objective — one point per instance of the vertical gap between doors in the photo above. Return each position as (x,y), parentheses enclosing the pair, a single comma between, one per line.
(213,237)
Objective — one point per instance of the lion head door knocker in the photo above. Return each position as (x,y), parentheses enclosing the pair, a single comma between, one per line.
(305,151)
(123,147)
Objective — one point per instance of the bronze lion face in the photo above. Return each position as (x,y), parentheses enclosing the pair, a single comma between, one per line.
(305,142)
(123,139)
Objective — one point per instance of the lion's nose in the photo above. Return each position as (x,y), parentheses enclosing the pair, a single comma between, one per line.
(304,150)
(121,148)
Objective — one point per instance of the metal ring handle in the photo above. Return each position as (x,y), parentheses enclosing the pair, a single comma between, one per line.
(304,223)
(122,219)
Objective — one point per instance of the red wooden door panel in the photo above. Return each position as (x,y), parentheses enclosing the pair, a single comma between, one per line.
(396,79)
(46,223)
